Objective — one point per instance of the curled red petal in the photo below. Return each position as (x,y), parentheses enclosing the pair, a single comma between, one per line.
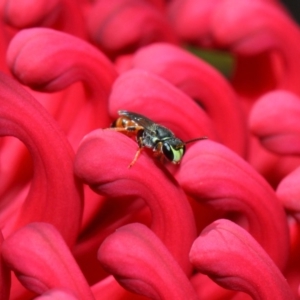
(213,174)
(64,60)
(54,191)
(249,39)
(102,161)
(232,258)
(42,261)
(275,120)
(288,191)
(191,19)
(37,12)
(142,264)
(151,95)
(198,80)
(109,27)
(267,29)
(265,48)
(62,15)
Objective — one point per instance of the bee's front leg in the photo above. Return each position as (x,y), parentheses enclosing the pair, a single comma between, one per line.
(137,154)
(132,131)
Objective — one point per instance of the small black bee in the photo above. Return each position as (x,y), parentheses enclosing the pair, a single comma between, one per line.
(151,135)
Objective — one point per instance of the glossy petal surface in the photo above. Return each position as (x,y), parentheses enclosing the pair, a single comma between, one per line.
(275,120)
(53,191)
(141,263)
(214,175)
(42,260)
(230,256)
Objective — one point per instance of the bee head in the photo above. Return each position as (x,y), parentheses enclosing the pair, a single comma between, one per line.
(173,149)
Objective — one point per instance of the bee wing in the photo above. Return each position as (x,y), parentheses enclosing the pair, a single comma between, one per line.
(139,119)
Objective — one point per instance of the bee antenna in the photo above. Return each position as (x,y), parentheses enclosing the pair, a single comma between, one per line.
(197,139)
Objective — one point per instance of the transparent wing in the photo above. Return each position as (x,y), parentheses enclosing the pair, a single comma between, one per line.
(139,119)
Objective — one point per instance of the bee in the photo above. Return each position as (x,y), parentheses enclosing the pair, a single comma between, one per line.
(150,135)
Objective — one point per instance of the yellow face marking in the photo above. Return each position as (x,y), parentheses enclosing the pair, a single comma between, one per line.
(177,154)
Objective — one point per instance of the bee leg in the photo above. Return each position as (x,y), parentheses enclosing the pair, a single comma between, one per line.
(158,154)
(135,157)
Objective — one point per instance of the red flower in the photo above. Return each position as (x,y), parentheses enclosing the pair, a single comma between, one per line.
(77,223)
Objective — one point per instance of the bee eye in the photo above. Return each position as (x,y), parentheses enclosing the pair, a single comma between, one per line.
(173,154)
(167,151)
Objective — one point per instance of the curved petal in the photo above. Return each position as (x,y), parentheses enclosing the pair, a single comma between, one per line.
(275,120)
(102,162)
(68,59)
(191,20)
(37,12)
(152,96)
(248,39)
(266,47)
(232,258)
(63,15)
(42,261)
(142,264)
(214,175)
(65,60)
(266,27)
(110,29)
(199,80)
(54,190)
(288,191)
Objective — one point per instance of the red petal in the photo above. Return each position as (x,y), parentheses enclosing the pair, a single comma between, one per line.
(218,177)
(232,258)
(54,190)
(42,260)
(141,263)
(275,120)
